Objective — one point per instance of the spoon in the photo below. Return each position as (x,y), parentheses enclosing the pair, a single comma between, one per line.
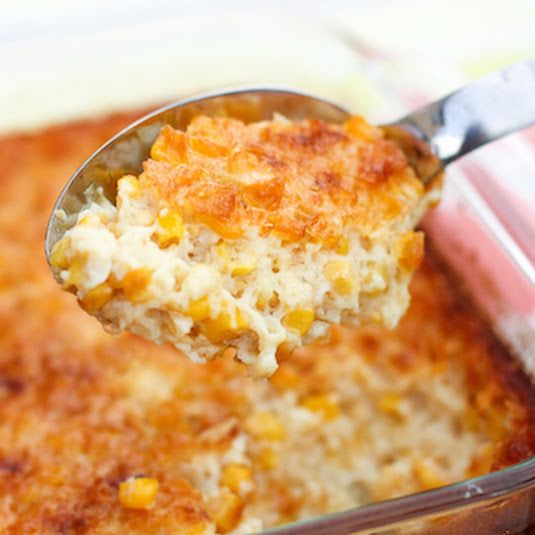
(431,137)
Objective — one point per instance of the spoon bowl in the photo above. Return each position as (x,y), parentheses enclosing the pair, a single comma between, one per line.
(430,137)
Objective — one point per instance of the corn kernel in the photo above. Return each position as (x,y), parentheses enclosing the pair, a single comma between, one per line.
(225,326)
(376,317)
(391,404)
(135,284)
(208,148)
(96,298)
(197,529)
(170,146)
(391,206)
(410,250)
(359,127)
(234,475)
(131,184)
(266,194)
(244,266)
(76,270)
(284,350)
(138,492)
(338,272)
(58,255)
(223,228)
(323,405)
(267,459)
(299,320)
(343,245)
(426,475)
(226,511)
(260,303)
(88,220)
(170,229)
(274,300)
(265,425)
(199,310)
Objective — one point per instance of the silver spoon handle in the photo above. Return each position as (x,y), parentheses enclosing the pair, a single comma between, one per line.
(478,113)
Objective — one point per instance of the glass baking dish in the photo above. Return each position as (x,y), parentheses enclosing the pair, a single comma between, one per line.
(495,270)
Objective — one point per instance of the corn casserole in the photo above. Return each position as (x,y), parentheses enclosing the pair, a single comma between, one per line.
(105,435)
(255,236)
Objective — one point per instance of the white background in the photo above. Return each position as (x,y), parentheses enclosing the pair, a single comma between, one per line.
(64,59)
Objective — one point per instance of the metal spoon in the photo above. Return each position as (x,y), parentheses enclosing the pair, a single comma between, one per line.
(431,137)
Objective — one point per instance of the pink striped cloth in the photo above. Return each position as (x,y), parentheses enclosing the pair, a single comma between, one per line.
(486,224)
(504,176)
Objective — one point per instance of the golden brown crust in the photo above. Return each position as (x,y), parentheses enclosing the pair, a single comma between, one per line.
(300,180)
(74,421)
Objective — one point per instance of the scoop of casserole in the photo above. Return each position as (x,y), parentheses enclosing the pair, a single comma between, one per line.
(255,236)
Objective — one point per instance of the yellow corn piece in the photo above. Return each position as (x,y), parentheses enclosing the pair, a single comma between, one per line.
(299,320)
(225,229)
(208,148)
(359,127)
(96,298)
(197,529)
(376,317)
(131,183)
(267,459)
(426,475)
(76,270)
(390,205)
(274,300)
(260,303)
(199,310)
(170,229)
(323,405)
(135,284)
(410,250)
(226,511)
(58,255)
(391,404)
(138,492)
(234,475)
(170,146)
(225,326)
(244,266)
(343,245)
(339,274)
(89,220)
(265,425)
